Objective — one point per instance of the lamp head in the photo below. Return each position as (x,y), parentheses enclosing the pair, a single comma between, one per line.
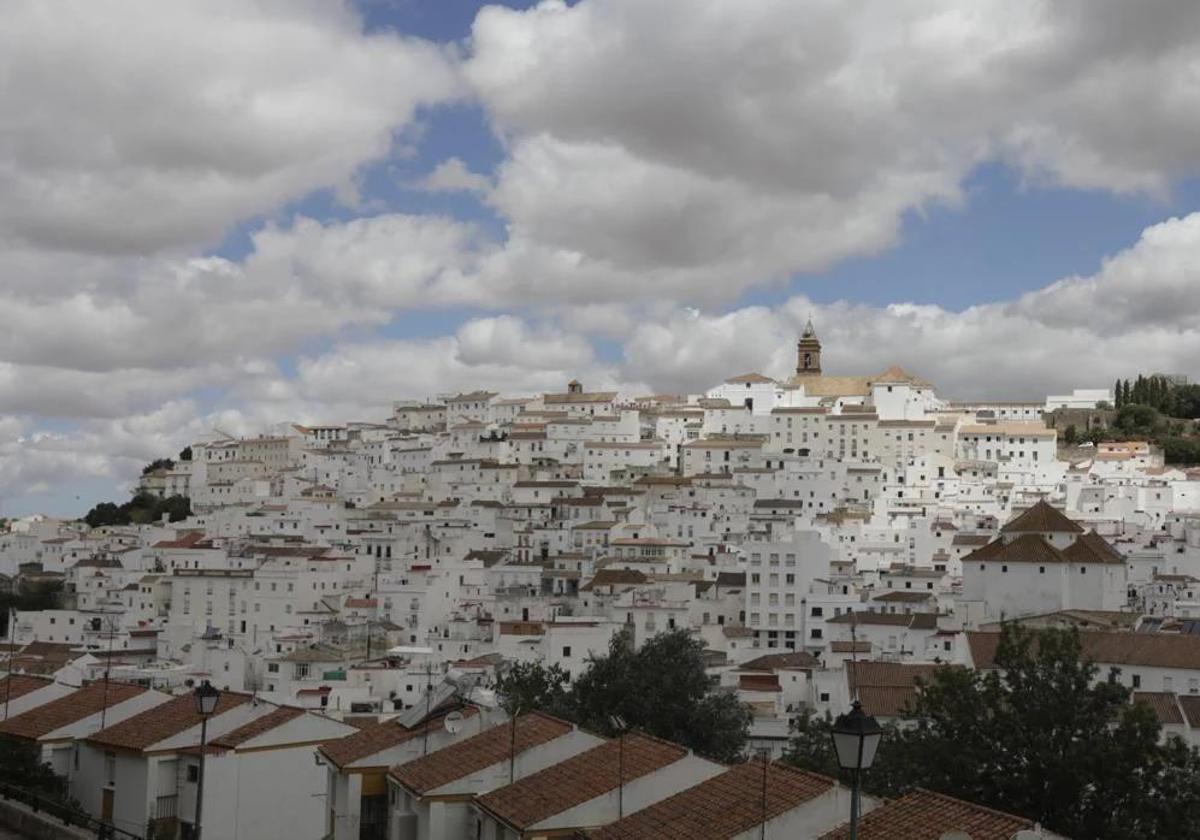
(206,698)
(856,738)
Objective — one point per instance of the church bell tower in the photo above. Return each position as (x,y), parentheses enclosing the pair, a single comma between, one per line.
(808,352)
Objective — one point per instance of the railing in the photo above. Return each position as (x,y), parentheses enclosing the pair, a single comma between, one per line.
(166,807)
(67,815)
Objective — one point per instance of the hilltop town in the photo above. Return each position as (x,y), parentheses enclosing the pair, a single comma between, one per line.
(356,591)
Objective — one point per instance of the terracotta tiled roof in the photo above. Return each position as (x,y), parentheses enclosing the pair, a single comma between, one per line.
(759,682)
(773,661)
(887,689)
(258,726)
(614,577)
(849,647)
(579,779)
(376,739)
(478,752)
(925,815)
(169,719)
(905,596)
(1190,703)
(1164,704)
(722,807)
(1042,517)
(68,709)
(1152,650)
(1092,548)
(749,378)
(18,685)
(913,621)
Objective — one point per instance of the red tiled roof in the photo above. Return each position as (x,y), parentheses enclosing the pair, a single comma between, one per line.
(759,682)
(1042,517)
(478,752)
(579,779)
(1152,650)
(774,661)
(925,815)
(153,725)
(68,709)
(190,539)
(18,685)
(722,807)
(1163,704)
(375,739)
(258,726)
(360,603)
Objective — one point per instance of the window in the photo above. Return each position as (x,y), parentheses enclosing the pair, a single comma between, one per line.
(566,651)
(817,612)
(1137,680)
(815,633)
(272,667)
(193,773)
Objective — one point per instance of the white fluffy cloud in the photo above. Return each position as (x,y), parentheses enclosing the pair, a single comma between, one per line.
(692,150)
(135,125)
(1136,314)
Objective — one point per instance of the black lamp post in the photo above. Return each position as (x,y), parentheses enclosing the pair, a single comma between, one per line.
(856,737)
(206,698)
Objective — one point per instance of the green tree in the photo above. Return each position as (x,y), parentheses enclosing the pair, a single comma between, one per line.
(1070,435)
(1187,402)
(1039,736)
(185,454)
(158,464)
(531,685)
(661,689)
(21,765)
(1117,393)
(1138,419)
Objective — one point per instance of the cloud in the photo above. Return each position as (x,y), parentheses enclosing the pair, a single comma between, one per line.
(1135,315)
(452,175)
(138,126)
(686,152)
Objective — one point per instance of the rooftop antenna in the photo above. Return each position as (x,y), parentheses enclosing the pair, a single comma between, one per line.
(618,723)
(765,754)
(512,744)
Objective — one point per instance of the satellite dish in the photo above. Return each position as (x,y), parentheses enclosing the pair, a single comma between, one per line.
(453,722)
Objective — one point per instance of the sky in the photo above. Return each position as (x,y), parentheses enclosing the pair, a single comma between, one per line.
(236,213)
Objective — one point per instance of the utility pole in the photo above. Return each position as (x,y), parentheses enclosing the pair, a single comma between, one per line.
(8,674)
(107,669)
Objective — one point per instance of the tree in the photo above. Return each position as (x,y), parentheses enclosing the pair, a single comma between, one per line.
(531,685)
(158,464)
(21,765)
(1070,435)
(1117,393)
(1187,402)
(185,454)
(1039,735)
(1138,419)
(661,689)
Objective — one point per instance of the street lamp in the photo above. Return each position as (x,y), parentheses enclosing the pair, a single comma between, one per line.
(206,698)
(856,737)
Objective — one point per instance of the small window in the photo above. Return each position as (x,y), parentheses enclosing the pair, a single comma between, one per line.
(566,651)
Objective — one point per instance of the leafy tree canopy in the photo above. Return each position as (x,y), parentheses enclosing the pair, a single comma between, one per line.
(661,689)
(1039,736)
(142,509)
(158,464)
